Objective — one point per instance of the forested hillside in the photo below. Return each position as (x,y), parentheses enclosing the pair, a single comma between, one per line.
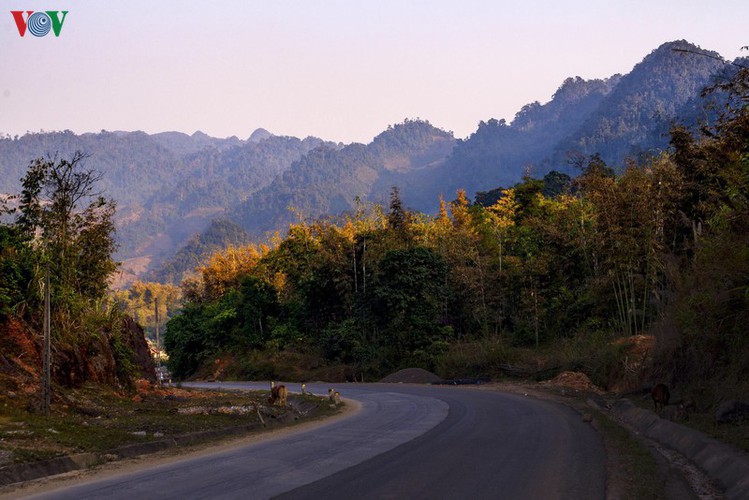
(215,180)
(329,181)
(167,186)
(636,115)
(132,164)
(573,265)
(170,186)
(658,246)
(618,118)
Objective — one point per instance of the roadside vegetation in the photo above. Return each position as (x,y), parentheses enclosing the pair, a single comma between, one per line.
(546,275)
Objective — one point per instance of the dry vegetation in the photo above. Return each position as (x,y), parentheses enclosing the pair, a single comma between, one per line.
(97,419)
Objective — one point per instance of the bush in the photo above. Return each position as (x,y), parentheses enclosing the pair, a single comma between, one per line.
(481,358)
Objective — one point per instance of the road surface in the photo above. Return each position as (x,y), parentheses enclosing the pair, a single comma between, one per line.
(407,441)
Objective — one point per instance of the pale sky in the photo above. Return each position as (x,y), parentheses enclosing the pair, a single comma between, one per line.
(342,70)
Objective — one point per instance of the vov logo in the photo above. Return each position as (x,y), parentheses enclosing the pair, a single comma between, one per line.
(39,23)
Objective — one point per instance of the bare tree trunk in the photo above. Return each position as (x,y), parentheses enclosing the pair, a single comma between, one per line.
(356,276)
(47,354)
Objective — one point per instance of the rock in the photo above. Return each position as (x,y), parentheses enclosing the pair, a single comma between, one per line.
(20,432)
(135,339)
(193,410)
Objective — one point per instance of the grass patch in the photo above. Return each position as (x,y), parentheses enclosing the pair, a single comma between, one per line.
(703,420)
(481,358)
(97,419)
(632,470)
(736,434)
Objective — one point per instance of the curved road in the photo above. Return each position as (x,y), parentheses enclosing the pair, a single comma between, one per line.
(406,442)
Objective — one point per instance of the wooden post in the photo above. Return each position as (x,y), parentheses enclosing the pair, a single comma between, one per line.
(47,350)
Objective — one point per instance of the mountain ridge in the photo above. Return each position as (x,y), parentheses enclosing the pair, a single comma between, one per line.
(172,185)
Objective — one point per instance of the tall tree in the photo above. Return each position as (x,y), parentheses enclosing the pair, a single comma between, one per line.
(407,297)
(70,222)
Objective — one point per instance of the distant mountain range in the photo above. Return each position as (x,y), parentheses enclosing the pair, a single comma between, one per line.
(167,186)
(196,193)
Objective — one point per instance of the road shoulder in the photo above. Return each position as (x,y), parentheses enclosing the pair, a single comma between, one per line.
(81,468)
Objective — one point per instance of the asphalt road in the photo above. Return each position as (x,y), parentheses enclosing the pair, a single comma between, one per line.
(406,442)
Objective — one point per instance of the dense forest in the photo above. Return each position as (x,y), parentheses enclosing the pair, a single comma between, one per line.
(657,246)
(560,266)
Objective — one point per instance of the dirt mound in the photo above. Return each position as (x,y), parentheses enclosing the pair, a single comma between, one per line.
(574,380)
(632,373)
(20,360)
(135,339)
(91,358)
(411,376)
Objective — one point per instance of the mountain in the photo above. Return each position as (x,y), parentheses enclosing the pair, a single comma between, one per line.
(618,117)
(133,164)
(258,135)
(171,186)
(328,180)
(650,96)
(214,180)
(168,186)
(183,144)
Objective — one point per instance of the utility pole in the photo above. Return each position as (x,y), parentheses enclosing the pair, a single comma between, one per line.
(158,342)
(47,351)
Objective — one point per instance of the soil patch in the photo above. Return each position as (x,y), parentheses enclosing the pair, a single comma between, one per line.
(573,380)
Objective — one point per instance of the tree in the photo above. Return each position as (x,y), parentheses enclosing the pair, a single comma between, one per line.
(257,303)
(397,216)
(70,223)
(66,226)
(408,292)
(710,306)
(224,270)
(139,301)
(556,183)
(16,269)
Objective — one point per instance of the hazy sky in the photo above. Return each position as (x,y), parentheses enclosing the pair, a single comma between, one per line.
(340,70)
